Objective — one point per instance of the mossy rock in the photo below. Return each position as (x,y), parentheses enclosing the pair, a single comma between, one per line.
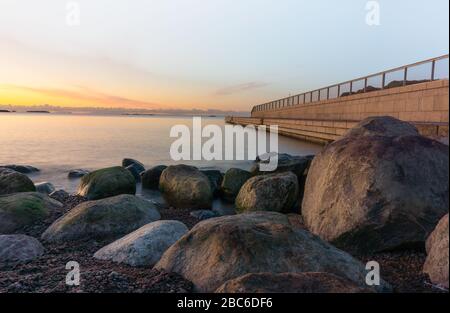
(105,218)
(232,182)
(185,186)
(25,208)
(150,178)
(107,182)
(275,192)
(12,182)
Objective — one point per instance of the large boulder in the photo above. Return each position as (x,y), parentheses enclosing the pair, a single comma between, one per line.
(376,190)
(136,164)
(436,264)
(144,246)
(107,182)
(232,182)
(45,187)
(185,186)
(12,182)
(16,249)
(290,283)
(25,208)
(224,248)
(215,178)
(276,192)
(106,218)
(150,178)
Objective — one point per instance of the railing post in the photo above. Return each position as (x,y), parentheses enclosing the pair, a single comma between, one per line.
(433,69)
(351,87)
(328,93)
(339,91)
(405,76)
(383,81)
(365,84)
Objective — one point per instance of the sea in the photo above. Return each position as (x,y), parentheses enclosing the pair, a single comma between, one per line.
(57,143)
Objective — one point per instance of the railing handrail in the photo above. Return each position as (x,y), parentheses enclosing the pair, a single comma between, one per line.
(365,78)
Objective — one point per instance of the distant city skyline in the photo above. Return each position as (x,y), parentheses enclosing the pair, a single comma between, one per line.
(185,55)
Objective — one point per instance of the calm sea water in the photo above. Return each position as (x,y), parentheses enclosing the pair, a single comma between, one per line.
(58,143)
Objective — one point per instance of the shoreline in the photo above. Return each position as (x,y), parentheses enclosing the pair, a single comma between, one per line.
(402,269)
(279,214)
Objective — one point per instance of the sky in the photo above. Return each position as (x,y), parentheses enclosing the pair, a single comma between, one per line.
(203,54)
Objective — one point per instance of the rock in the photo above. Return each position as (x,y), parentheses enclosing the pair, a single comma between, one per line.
(77,173)
(276,192)
(136,164)
(367,192)
(46,188)
(150,178)
(291,283)
(23,209)
(204,214)
(16,249)
(385,126)
(107,182)
(232,182)
(59,195)
(286,163)
(215,178)
(225,209)
(185,186)
(24,169)
(110,217)
(12,182)
(134,170)
(436,264)
(145,246)
(298,165)
(224,248)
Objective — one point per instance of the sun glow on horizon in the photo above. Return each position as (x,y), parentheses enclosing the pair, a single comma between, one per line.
(196,54)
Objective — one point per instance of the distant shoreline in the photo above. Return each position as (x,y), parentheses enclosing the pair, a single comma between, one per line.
(38,111)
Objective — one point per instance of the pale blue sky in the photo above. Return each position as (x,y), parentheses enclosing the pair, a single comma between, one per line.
(225,54)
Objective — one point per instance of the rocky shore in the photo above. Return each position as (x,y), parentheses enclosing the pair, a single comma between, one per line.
(378,194)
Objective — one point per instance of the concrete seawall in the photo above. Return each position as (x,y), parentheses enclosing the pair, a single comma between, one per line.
(426,105)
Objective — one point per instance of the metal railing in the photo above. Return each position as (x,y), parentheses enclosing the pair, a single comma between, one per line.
(428,70)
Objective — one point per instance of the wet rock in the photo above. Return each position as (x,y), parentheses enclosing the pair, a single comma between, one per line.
(144,246)
(276,192)
(134,170)
(375,189)
(215,178)
(232,182)
(136,164)
(77,173)
(224,248)
(436,264)
(107,182)
(16,249)
(291,283)
(24,169)
(23,209)
(150,178)
(45,188)
(185,186)
(60,195)
(12,182)
(110,217)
